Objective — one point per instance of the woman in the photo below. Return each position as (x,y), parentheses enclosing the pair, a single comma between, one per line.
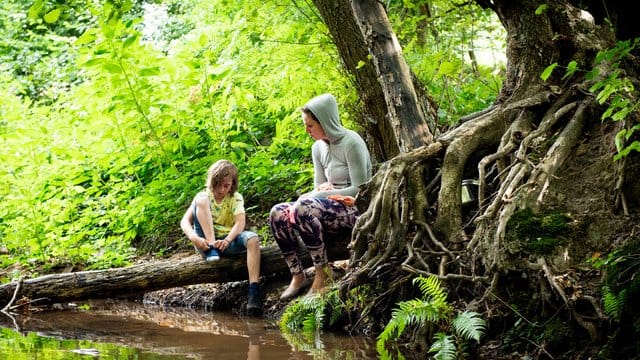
(341,164)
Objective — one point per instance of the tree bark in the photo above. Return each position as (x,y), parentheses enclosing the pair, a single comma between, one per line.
(344,30)
(408,121)
(397,113)
(151,276)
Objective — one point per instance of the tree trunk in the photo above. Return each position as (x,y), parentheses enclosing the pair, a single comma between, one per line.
(394,76)
(394,116)
(540,147)
(151,276)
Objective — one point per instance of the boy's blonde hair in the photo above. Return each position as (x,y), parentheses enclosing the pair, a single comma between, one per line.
(220,170)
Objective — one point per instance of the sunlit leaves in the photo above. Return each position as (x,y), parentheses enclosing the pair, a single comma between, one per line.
(116,159)
(541,9)
(52,16)
(547,71)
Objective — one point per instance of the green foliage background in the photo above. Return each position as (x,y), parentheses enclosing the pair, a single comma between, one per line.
(110,119)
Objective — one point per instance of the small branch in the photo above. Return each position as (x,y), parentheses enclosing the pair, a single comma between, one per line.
(541,349)
(15,294)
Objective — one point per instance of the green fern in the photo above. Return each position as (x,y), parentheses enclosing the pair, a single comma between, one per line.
(614,304)
(469,325)
(432,309)
(309,313)
(431,287)
(417,312)
(444,347)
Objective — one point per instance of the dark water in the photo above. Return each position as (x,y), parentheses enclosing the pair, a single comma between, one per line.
(124,330)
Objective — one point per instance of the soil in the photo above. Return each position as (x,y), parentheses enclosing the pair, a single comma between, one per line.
(232,296)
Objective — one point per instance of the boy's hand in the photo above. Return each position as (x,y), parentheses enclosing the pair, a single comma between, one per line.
(221,244)
(201,243)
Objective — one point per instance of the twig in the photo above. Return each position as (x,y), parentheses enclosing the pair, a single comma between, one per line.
(13,298)
(540,348)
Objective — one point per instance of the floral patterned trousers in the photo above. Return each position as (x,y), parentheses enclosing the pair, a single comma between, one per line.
(310,219)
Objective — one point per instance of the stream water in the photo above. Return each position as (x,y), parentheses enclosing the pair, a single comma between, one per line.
(127,330)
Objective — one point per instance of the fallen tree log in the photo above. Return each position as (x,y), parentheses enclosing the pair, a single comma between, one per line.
(153,275)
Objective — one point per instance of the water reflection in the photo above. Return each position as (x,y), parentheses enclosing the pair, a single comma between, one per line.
(183,333)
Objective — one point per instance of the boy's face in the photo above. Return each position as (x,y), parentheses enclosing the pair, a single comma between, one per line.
(223,188)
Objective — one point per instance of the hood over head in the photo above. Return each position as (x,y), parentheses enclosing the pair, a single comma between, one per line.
(325,108)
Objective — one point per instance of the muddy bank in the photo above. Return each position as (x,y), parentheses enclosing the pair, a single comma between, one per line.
(232,296)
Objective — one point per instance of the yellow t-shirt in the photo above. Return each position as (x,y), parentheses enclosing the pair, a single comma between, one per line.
(224,212)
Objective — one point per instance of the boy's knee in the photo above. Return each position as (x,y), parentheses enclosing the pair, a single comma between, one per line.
(253,241)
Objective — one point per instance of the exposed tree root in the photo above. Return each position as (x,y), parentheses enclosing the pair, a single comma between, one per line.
(525,157)
(559,286)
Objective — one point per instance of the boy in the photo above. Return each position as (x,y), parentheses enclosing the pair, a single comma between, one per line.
(215,224)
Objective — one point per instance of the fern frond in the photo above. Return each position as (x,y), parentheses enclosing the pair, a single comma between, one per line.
(431,287)
(614,304)
(444,347)
(336,305)
(469,325)
(414,312)
(306,313)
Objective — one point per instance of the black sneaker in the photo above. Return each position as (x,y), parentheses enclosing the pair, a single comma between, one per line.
(254,303)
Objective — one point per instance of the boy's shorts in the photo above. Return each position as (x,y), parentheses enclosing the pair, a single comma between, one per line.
(237,246)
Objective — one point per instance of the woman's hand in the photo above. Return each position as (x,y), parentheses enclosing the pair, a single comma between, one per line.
(346,200)
(325,187)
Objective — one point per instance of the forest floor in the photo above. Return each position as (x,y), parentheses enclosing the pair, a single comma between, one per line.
(232,296)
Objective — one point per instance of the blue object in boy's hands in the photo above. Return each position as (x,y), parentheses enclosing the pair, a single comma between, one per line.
(212,254)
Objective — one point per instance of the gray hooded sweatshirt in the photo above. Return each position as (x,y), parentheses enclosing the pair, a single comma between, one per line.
(344,160)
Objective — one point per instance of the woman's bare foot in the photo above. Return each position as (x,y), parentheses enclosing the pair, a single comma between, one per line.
(323,274)
(297,281)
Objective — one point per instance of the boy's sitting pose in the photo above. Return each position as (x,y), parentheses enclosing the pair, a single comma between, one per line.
(215,223)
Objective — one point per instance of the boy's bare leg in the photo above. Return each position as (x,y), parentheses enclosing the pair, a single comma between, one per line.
(253,259)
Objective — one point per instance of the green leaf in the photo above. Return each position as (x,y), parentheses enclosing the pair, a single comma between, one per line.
(572,67)
(469,325)
(35,9)
(52,16)
(88,36)
(447,68)
(622,114)
(130,40)
(94,61)
(149,71)
(444,347)
(547,72)
(634,146)
(360,64)
(541,9)
(112,67)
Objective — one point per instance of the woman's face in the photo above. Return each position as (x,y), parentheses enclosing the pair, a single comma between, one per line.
(313,127)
